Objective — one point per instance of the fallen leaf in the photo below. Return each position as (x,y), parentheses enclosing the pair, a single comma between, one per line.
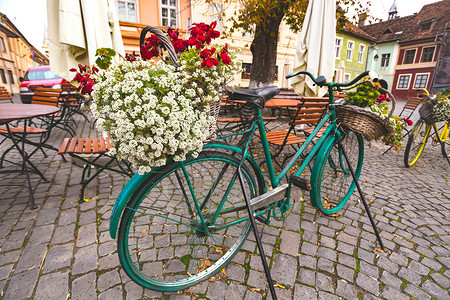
(379,250)
(279,285)
(367,179)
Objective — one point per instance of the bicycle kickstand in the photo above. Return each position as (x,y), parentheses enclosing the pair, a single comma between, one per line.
(362,196)
(258,239)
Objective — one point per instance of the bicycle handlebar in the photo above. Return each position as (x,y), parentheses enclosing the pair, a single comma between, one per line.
(321,81)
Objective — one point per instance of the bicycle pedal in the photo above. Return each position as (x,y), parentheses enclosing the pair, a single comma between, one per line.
(300,182)
(261,219)
(270,197)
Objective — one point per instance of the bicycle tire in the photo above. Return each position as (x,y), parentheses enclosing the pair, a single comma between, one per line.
(331,182)
(417,141)
(162,244)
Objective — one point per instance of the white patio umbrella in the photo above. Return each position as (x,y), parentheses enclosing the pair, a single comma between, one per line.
(77,28)
(315,49)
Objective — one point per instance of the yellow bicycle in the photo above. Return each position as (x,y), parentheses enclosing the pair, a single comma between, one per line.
(419,135)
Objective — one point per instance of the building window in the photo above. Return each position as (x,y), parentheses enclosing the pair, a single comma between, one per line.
(362,50)
(409,56)
(2,44)
(403,81)
(247,69)
(169,13)
(346,77)
(127,10)
(216,11)
(10,76)
(350,46)
(427,54)
(2,74)
(338,46)
(421,81)
(385,59)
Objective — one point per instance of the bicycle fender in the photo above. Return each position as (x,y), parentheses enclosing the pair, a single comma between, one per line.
(122,200)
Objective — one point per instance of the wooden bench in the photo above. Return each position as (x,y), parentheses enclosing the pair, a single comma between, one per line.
(308,112)
(93,152)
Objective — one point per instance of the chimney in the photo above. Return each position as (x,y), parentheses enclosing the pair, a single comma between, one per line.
(361,20)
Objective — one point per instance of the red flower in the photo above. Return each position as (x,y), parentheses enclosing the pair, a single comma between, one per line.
(408,121)
(224,55)
(208,60)
(131,57)
(179,46)
(382,98)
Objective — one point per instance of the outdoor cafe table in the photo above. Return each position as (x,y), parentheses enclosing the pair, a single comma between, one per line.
(282,103)
(23,112)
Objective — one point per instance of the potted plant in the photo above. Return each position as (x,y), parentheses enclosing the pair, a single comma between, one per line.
(152,109)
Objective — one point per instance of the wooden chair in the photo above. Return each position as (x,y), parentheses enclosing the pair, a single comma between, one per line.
(37,134)
(97,150)
(307,114)
(5,95)
(73,101)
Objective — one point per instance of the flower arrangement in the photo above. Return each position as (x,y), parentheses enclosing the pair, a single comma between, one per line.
(441,106)
(152,110)
(368,96)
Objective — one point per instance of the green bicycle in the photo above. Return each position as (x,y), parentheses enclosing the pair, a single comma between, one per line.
(183,222)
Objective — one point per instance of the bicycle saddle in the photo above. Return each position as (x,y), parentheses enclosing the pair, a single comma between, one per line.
(254,96)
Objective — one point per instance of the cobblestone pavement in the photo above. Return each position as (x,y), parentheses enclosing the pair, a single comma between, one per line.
(63,249)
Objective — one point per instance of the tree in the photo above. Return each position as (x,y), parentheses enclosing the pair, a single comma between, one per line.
(263,18)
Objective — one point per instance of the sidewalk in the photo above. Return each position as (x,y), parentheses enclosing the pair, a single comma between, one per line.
(63,250)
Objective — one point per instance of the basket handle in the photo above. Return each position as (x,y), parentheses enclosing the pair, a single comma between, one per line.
(393,102)
(167,44)
(383,90)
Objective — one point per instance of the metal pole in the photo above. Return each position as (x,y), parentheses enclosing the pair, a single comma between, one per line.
(361,195)
(258,239)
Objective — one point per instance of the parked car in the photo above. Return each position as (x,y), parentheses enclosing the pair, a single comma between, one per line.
(40,76)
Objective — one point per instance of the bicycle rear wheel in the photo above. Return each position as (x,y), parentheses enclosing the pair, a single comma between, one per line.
(331,181)
(185,223)
(416,142)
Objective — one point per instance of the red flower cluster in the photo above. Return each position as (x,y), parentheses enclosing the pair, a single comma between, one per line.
(201,35)
(83,77)
(130,57)
(178,44)
(408,121)
(383,97)
(151,47)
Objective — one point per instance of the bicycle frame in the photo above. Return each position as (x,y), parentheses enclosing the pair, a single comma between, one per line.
(330,117)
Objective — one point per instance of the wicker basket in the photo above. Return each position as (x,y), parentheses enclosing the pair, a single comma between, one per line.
(214,107)
(369,124)
(426,112)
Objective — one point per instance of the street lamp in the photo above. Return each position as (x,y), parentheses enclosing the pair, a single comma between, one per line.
(375,58)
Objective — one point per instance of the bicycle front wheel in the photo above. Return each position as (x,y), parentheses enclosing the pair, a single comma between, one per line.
(186,222)
(445,137)
(416,142)
(331,180)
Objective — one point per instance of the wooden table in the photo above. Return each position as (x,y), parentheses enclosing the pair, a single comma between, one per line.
(25,112)
(279,103)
